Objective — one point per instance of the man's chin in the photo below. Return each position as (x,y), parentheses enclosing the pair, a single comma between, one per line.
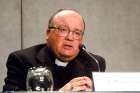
(67,56)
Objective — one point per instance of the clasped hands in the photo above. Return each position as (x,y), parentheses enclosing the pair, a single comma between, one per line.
(78,84)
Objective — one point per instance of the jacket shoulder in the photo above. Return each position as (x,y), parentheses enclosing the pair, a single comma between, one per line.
(101,61)
(30,50)
(27,55)
(93,61)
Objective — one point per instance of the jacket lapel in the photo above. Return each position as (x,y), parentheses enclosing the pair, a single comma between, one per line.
(45,58)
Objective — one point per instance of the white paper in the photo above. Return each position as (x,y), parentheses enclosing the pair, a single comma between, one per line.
(116,81)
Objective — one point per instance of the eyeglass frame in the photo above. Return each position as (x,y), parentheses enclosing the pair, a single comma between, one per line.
(67,31)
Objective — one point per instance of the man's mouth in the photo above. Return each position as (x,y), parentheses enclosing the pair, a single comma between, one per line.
(68,47)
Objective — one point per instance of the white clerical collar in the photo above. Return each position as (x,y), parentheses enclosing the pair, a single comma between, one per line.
(60,63)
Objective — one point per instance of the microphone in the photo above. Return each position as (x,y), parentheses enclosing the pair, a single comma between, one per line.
(82,46)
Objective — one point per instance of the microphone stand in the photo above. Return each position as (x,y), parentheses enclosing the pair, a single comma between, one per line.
(97,62)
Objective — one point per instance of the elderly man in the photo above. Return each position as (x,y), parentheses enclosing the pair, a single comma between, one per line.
(70,65)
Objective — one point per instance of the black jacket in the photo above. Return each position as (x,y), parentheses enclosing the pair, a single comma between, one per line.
(19,62)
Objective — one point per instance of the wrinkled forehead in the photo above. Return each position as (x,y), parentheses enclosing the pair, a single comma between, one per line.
(69,18)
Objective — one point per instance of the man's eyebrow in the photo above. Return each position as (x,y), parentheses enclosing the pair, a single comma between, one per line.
(58,25)
(77,29)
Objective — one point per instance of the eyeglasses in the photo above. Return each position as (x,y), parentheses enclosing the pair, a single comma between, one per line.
(64,31)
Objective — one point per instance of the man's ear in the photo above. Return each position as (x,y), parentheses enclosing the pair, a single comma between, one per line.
(47,33)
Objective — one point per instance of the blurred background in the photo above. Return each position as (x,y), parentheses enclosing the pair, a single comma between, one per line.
(112,29)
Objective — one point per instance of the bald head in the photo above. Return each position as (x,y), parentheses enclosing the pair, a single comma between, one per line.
(63,13)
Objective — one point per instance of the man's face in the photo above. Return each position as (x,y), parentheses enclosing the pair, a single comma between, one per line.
(65,36)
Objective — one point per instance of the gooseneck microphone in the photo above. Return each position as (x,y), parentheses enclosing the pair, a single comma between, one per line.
(91,56)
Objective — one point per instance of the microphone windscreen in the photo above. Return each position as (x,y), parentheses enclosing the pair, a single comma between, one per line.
(82,46)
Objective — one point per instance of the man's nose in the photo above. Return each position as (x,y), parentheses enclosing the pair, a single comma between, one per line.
(70,36)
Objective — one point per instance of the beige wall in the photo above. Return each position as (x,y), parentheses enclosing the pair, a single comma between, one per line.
(10,34)
(112,28)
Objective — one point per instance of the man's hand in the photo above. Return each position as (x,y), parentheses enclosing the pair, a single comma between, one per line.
(78,84)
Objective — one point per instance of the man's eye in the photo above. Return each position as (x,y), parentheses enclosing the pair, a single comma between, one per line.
(77,33)
(63,30)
